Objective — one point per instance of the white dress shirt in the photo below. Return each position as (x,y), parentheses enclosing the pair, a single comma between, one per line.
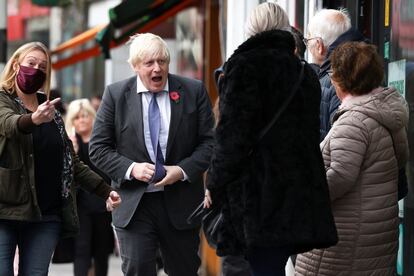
(165,116)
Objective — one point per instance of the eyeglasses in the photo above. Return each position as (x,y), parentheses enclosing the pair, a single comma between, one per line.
(330,73)
(306,40)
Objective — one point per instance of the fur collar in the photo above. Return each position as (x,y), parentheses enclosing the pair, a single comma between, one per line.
(274,39)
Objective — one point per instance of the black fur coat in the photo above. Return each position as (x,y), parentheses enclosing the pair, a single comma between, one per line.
(278,195)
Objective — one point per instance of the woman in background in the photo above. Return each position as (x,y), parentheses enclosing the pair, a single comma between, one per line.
(363,151)
(96,239)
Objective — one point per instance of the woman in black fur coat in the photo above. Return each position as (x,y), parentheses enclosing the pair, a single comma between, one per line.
(275,201)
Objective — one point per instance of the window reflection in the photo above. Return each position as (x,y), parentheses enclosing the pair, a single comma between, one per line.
(189,32)
(402,48)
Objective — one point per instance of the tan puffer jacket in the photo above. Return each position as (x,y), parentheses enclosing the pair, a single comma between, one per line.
(362,173)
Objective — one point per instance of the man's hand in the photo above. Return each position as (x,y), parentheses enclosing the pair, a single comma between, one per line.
(143,171)
(174,174)
(113,201)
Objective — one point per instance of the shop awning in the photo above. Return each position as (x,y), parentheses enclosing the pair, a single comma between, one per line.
(78,40)
(52,3)
(127,18)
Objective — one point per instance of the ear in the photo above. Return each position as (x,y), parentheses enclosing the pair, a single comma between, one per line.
(135,68)
(322,50)
(15,66)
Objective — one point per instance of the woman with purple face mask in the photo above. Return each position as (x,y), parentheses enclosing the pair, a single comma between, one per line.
(38,166)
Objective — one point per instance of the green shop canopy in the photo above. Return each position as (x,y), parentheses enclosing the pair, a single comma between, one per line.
(132,15)
(127,18)
(52,3)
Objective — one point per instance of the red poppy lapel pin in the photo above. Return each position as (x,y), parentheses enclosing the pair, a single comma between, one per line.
(175,96)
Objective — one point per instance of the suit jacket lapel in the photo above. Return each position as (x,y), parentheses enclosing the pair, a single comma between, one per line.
(176,111)
(134,102)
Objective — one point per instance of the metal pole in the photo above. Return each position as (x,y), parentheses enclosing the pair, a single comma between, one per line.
(3,34)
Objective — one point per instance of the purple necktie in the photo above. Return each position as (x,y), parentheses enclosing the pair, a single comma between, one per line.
(154,120)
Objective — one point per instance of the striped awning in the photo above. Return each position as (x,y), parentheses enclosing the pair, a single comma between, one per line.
(126,19)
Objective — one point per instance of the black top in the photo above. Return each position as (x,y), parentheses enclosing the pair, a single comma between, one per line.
(87,202)
(48,162)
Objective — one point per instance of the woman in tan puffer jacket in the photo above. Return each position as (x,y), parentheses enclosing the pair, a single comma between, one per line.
(362,153)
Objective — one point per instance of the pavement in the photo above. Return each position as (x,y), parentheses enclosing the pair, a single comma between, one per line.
(67,269)
(114,268)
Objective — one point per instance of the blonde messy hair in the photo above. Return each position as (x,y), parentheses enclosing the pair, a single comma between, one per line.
(8,77)
(146,45)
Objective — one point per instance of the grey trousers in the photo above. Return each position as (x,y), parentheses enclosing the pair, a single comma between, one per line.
(149,230)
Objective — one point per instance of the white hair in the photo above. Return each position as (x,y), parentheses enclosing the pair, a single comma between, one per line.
(146,45)
(329,24)
(266,16)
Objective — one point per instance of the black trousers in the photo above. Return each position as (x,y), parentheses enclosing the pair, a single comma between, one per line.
(150,229)
(235,266)
(268,261)
(95,242)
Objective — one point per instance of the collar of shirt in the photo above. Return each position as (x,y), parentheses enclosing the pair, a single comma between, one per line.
(141,88)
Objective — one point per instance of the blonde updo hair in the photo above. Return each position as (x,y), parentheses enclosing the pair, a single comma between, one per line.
(75,107)
(265,17)
(147,45)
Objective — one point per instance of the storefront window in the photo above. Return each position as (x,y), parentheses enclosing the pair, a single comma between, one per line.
(400,53)
(189,42)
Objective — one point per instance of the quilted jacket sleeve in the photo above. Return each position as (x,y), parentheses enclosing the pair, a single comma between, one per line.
(344,153)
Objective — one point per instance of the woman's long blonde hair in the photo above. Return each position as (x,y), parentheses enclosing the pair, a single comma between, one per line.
(8,76)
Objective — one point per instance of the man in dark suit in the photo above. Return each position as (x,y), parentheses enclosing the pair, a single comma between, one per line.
(153,136)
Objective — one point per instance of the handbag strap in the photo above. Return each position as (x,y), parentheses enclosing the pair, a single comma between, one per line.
(283,107)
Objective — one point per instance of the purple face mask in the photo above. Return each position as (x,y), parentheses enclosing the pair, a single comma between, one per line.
(29,79)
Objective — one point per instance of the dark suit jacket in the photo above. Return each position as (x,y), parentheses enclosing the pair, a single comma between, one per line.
(118,140)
